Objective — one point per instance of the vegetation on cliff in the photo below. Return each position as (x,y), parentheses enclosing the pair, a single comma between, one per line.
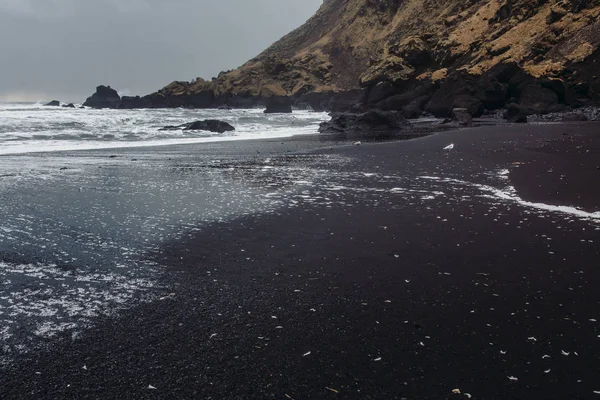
(385,48)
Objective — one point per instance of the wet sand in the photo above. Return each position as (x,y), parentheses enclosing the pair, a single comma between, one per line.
(391,270)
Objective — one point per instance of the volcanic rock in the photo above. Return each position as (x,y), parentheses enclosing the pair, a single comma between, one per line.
(210,125)
(53,103)
(462,117)
(537,99)
(130,102)
(371,123)
(105,97)
(514,113)
(476,55)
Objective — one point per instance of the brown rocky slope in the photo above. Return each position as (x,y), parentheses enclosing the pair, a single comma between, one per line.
(420,55)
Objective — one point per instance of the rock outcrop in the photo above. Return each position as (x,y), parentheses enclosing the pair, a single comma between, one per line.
(373,123)
(514,113)
(415,56)
(462,117)
(210,125)
(105,97)
(53,103)
(130,102)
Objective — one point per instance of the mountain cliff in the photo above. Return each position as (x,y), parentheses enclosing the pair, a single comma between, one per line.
(416,55)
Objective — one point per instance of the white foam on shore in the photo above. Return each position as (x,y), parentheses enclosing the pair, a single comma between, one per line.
(55,145)
(30,293)
(509,193)
(35,129)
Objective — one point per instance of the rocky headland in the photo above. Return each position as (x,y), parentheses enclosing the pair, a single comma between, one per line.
(522,56)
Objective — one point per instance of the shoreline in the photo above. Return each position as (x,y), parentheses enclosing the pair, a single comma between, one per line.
(420,281)
(418,129)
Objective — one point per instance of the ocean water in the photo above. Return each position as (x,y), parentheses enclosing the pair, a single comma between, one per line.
(27,127)
(76,227)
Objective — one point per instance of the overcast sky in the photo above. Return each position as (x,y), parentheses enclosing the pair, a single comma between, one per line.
(63,49)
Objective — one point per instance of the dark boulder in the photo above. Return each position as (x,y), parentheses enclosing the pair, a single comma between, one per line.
(519,82)
(514,113)
(493,94)
(472,104)
(70,105)
(278,105)
(105,97)
(53,103)
(537,99)
(210,125)
(459,91)
(415,108)
(462,117)
(375,123)
(492,90)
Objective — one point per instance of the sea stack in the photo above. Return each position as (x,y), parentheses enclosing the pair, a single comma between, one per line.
(105,97)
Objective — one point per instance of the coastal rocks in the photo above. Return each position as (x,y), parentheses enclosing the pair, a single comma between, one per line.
(414,109)
(571,116)
(462,117)
(53,103)
(70,105)
(210,125)
(398,101)
(344,101)
(476,55)
(537,99)
(455,92)
(318,101)
(381,91)
(195,94)
(348,101)
(130,102)
(374,123)
(105,97)
(278,105)
(514,113)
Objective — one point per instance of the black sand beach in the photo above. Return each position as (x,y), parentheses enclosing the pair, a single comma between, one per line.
(382,271)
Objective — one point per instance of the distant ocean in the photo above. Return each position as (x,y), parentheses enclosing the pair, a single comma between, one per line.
(32,127)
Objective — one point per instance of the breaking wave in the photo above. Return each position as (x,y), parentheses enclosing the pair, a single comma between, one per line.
(26,128)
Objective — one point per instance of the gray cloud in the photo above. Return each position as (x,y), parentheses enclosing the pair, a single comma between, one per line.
(64,48)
